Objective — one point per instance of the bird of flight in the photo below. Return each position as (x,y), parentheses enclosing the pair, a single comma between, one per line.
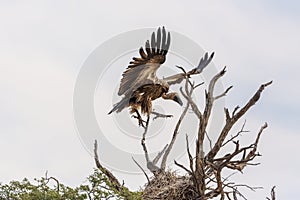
(139,84)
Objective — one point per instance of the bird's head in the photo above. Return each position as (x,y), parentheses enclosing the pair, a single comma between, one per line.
(177,99)
(173,96)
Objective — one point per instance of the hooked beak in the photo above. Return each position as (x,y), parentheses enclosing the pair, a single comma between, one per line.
(177,99)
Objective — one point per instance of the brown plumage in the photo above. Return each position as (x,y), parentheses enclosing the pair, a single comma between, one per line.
(142,98)
(140,85)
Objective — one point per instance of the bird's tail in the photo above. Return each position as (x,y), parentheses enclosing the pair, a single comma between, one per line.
(118,107)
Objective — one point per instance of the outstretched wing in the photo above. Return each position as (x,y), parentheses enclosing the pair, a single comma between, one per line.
(142,70)
(177,78)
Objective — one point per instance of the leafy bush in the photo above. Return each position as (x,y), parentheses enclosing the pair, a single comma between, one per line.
(98,187)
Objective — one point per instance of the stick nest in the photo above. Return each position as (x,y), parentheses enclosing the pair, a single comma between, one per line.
(170,186)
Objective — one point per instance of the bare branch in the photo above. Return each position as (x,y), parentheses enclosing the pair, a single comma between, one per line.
(48,179)
(145,131)
(227,160)
(210,142)
(223,94)
(198,85)
(234,110)
(189,154)
(141,169)
(183,167)
(191,102)
(236,135)
(175,133)
(156,159)
(252,101)
(105,171)
(273,197)
(151,165)
(233,120)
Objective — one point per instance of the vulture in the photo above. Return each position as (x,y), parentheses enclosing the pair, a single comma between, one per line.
(139,85)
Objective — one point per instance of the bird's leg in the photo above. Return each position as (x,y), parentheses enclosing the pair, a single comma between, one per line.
(139,118)
(160,115)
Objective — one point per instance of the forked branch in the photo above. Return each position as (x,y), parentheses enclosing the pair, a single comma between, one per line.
(231,120)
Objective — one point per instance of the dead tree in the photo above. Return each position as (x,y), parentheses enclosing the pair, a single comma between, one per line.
(205,169)
(204,177)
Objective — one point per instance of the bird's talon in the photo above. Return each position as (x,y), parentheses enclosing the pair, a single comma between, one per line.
(140,120)
(159,115)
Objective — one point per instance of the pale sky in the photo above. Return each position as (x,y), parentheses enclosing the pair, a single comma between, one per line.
(45,43)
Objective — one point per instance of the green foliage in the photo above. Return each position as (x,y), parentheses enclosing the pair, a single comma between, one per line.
(101,188)
(25,190)
(98,187)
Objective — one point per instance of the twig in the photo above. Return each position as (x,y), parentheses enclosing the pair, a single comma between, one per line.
(51,177)
(189,154)
(273,197)
(183,167)
(141,169)
(236,135)
(156,159)
(188,96)
(210,142)
(223,94)
(116,184)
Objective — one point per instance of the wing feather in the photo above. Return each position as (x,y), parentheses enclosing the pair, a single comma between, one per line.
(147,47)
(142,70)
(158,40)
(153,45)
(177,78)
(166,45)
(142,53)
(163,39)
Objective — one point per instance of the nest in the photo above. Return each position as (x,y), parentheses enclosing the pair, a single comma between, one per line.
(170,186)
